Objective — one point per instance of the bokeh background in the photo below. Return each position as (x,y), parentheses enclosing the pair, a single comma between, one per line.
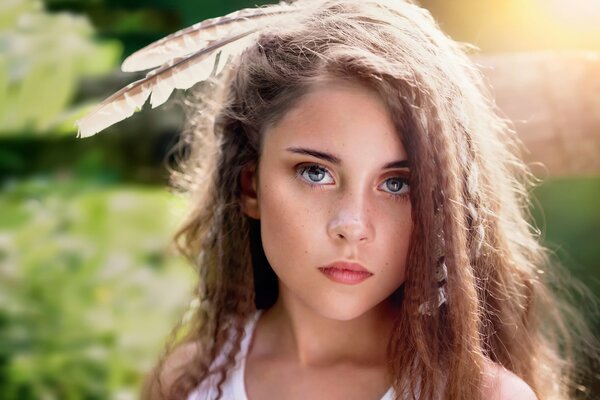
(89,286)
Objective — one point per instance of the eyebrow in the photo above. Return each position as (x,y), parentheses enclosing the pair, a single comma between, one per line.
(336,160)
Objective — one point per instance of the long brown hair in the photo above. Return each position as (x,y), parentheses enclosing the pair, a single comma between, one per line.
(468,192)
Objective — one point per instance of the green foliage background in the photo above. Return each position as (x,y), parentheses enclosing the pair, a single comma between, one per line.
(89,288)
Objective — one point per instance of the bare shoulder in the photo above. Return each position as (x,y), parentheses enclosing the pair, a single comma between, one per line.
(179,358)
(501,384)
(166,373)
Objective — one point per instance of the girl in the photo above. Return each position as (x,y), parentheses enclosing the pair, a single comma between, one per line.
(359,222)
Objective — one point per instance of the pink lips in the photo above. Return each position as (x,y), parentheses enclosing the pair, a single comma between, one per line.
(345,272)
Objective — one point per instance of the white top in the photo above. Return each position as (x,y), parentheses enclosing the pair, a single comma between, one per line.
(233,387)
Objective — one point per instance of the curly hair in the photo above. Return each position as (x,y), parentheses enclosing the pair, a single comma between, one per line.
(468,186)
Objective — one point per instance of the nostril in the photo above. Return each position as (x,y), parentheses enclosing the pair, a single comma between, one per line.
(350,228)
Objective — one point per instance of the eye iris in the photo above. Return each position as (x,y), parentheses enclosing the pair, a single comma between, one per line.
(394,184)
(315,174)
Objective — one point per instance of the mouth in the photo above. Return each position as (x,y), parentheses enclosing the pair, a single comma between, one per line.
(346,273)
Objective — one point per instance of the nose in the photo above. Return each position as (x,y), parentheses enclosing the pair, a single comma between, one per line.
(350,222)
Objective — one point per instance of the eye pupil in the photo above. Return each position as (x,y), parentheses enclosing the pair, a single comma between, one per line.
(315,174)
(394,184)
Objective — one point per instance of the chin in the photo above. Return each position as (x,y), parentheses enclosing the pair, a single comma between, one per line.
(343,310)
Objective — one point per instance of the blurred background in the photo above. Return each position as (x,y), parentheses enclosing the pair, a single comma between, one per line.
(89,287)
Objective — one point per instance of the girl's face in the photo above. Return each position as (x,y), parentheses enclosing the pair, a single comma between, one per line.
(332,187)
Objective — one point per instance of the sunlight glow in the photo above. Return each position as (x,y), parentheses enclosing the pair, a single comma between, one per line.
(575,12)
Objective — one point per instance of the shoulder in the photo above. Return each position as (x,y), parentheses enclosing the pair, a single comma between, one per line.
(162,378)
(501,384)
(177,360)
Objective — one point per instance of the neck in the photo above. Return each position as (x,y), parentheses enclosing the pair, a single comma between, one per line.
(299,333)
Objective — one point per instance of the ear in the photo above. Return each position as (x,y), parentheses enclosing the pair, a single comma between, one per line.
(249,194)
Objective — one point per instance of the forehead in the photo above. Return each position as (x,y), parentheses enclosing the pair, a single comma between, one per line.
(341,117)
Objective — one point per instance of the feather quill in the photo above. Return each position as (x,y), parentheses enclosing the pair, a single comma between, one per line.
(180,73)
(200,35)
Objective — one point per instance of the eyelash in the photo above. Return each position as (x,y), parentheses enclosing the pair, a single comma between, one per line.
(314,186)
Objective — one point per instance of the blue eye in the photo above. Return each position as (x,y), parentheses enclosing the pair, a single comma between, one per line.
(396,185)
(314,174)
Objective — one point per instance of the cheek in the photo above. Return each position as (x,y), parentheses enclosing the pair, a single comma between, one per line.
(401,231)
(286,228)
(395,236)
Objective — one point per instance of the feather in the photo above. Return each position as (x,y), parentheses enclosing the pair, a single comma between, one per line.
(200,35)
(180,73)
(185,57)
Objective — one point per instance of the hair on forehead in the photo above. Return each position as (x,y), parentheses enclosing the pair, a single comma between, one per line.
(370,43)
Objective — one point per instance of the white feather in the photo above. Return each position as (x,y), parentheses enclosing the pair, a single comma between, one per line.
(181,73)
(185,57)
(109,113)
(200,35)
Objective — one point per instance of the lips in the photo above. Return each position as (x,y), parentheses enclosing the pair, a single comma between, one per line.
(346,272)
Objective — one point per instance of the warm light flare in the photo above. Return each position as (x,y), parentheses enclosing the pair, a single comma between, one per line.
(575,12)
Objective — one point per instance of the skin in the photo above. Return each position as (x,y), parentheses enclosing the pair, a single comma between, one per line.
(357,211)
